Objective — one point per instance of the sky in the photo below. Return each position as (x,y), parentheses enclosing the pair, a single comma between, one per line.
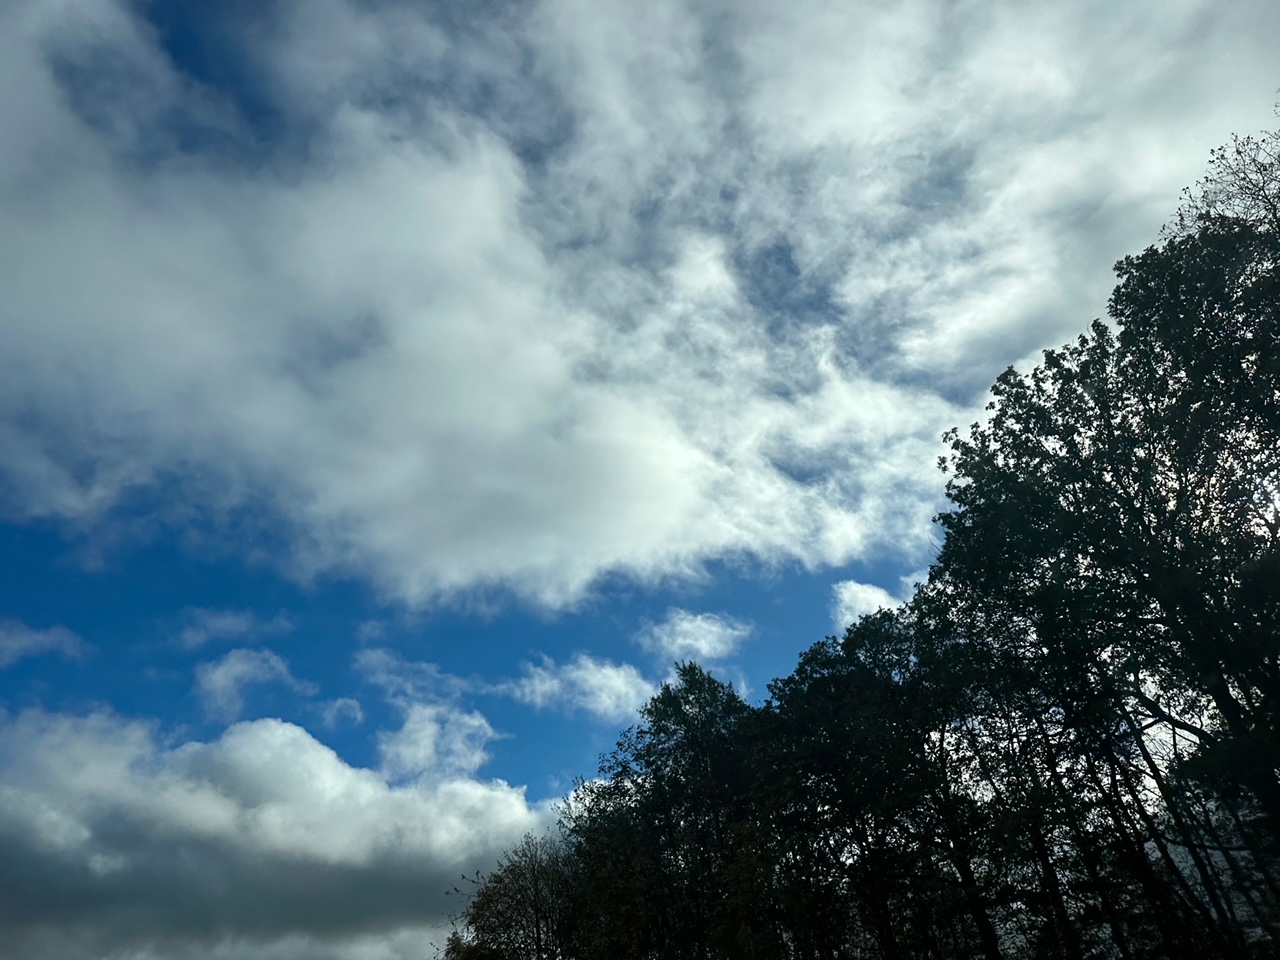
(391,393)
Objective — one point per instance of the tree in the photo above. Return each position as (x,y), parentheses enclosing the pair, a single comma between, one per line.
(520,910)
(1114,539)
(658,835)
(863,746)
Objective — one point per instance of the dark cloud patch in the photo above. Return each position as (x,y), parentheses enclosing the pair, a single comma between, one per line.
(801,472)
(938,183)
(484,68)
(115,845)
(775,284)
(196,96)
(319,350)
(138,887)
(217,47)
(478,65)
(871,336)
(100,83)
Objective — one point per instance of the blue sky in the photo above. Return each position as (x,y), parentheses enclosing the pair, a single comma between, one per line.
(391,392)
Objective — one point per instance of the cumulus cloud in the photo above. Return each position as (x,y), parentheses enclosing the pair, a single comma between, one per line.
(606,690)
(435,740)
(220,683)
(260,845)
(437,736)
(851,600)
(202,625)
(609,289)
(18,641)
(694,636)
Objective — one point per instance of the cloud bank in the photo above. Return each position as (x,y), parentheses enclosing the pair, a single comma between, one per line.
(574,291)
(260,844)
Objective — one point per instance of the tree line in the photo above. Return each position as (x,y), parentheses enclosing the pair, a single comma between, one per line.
(1065,745)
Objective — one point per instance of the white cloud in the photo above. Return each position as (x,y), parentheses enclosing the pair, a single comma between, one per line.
(220,683)
(694,636)
(202,625)
(608,691)
(260,845)
(435,740)
(697,284)
(437,737)
(18,641)
(851,600)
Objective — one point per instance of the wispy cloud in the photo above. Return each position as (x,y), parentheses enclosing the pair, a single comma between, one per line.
(406,682)
(221,683)
(342,710)
(694,636)
(202,625)
(19,641)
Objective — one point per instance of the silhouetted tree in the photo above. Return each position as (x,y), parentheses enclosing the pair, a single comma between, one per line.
(520,911)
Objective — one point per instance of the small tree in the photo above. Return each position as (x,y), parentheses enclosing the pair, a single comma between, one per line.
(519,911)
